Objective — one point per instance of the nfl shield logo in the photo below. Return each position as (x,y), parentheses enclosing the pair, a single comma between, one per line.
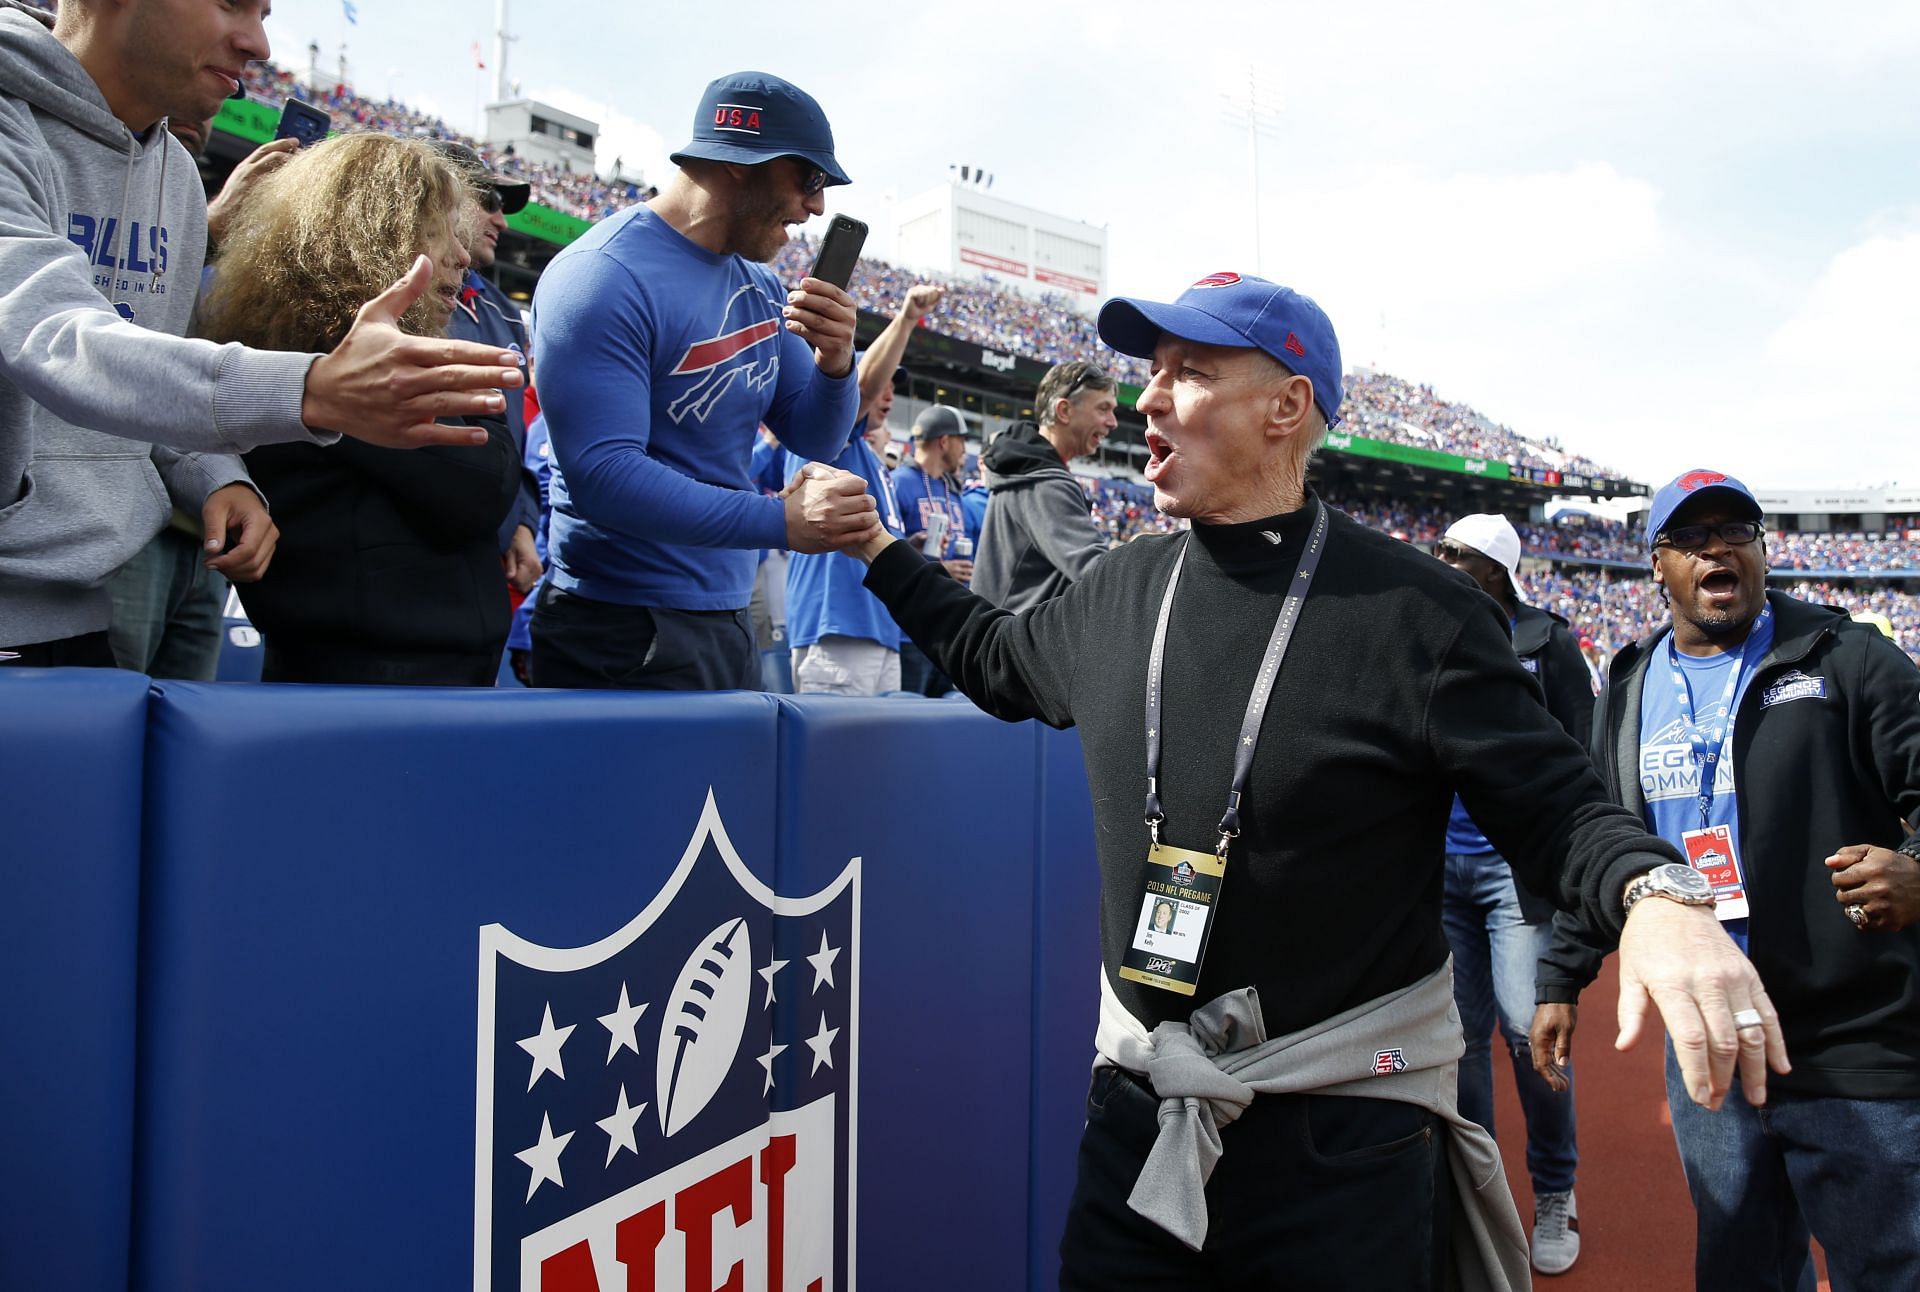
(674,1105)
(1388,1062)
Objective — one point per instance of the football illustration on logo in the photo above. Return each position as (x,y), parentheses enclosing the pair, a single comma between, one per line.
(706,1017)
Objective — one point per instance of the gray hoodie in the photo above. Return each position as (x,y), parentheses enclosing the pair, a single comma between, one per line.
(1039,537)
(105,423)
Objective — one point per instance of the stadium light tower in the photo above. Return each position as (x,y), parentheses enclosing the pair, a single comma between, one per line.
(500,42)
(1258,108)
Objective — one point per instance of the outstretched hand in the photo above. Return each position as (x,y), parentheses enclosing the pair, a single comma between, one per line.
(1679,959)
(386,387)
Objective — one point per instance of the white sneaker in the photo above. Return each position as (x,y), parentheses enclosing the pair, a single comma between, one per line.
(1556,1232)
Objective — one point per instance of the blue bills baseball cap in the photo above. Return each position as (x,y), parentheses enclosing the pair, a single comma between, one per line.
(1698,483)
(753,117)
(1237,310)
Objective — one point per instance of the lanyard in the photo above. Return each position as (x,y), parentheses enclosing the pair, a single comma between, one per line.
(1707,745)
(1262,686)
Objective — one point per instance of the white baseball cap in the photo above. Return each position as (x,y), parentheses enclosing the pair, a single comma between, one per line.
(1493,536)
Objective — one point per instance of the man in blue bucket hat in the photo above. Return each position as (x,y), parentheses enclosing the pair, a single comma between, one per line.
(1273,1104)
(665,344)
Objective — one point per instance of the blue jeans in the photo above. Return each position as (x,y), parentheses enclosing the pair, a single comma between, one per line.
(1496,954)
(167,608)
(1846,1170)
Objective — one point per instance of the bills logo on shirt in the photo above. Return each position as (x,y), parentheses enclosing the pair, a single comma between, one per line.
(745,348)
(1388,1062)
(674,1105)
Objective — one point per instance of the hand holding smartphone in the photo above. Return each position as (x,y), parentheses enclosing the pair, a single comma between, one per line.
(839,251)
(303,123)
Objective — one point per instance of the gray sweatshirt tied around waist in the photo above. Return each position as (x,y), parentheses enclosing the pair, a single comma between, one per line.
(1405,1045)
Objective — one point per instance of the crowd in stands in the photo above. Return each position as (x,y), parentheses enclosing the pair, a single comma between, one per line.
(1051,329)
(581,194)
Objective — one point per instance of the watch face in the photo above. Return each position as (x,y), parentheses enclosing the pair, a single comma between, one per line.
(1682,880)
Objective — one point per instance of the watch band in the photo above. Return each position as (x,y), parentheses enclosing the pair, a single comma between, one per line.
(1654,884)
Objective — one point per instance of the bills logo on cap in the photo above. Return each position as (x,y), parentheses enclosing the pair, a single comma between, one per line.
(737,118)
(1693,480)
(678,1099)
(1217,280)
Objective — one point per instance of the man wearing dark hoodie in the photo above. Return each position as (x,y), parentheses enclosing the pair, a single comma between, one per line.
(1039,534)
(108,416)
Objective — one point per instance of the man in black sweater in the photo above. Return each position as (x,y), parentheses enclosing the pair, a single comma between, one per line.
(1313,903)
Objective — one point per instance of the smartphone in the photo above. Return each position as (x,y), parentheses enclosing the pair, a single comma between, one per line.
(839,250)
(302,122)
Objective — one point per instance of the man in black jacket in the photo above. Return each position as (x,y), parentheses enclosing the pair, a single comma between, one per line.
(1039,534)
(1312,906)
(1498,929)
(1812,725)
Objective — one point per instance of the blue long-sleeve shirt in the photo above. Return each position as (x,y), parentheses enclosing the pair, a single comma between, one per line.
(658,362)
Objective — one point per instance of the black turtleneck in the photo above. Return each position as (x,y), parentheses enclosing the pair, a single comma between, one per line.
(1401,687)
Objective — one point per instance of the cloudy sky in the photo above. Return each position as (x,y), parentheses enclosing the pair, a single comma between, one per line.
(1667,235)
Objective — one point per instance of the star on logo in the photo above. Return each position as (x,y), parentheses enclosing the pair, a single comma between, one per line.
(766,1061)
(544,1046)
(544,1157)
(768,974)
(821,1043)
(620,1025)
(822,962)
(1246,740)
(619,1129)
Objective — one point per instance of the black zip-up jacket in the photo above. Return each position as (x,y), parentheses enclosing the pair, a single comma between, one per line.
(1826,750)
(387,553)
(1401,688)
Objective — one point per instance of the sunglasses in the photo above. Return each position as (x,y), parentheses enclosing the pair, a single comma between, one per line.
(1451,552)
(1092,373)
(1691,538)
(492,202)
(813,181)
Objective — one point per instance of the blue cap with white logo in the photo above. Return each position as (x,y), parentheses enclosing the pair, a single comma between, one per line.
(753,117)
(1697,483)
(1240,311)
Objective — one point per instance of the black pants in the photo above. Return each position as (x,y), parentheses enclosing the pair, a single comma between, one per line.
(1311,1192)
(90,650)
(579,642)
(293,660)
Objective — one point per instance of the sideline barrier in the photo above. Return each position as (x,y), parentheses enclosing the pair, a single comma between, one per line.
(359,960)
(70,765)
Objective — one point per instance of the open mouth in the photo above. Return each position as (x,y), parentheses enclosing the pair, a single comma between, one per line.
(449,295)
(1159,455)
(1720,585)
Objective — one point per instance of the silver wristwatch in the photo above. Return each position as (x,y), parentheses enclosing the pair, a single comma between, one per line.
(1673,881)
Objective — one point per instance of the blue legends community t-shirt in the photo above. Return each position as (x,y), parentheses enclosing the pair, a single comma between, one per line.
(1669,772)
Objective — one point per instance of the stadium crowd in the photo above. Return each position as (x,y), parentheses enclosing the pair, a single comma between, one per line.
(581,194)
